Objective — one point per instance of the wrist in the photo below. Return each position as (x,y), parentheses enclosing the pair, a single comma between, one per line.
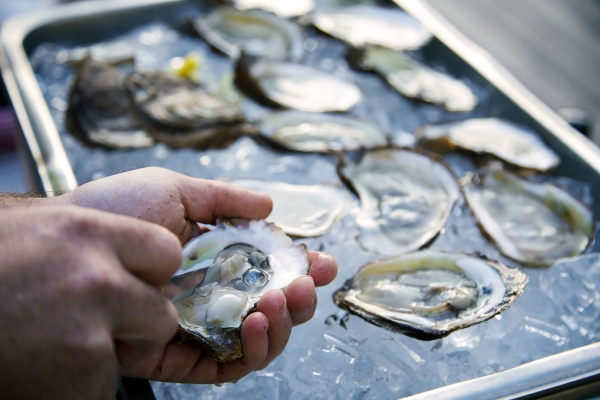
(10,200)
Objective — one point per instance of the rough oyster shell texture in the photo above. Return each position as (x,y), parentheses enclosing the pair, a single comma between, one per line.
(530,222)
(428,295)
(406,199)
(239,261)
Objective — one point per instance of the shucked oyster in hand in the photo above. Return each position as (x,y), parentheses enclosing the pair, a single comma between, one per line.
(428,295)
(100,112)
(530,222)
(406,198)
(224,274)
(182,114)
(279,84)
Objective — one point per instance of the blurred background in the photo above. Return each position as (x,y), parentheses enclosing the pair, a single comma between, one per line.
(552,46)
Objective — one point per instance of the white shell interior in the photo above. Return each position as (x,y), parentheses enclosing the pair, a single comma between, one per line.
(281,8)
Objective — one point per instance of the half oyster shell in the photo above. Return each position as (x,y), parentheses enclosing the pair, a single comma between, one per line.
(514,144)
(406,199)
(428,295)
(310,132)
(223,275)
(301,211)
(281,8)
(253,32)
(414,79)
(181,114)
(279,84)
(100,112)
(363,25)
(530,222)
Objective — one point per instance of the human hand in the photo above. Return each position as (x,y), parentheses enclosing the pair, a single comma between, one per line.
(178,202)
(80,299)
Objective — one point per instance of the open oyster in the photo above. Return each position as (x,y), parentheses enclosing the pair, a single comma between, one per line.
(406,199)
(99,110)
(302,211)
(310,132)
(181,114)
(414,79)
(279,84)
(224,274)
(530,222)
(514,144)
(253,32)
(281,8)
(428,295)
(363,25)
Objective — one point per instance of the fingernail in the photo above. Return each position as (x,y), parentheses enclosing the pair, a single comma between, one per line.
(313,301)
(283,313)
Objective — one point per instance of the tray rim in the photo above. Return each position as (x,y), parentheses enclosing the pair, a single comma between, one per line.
(57,176)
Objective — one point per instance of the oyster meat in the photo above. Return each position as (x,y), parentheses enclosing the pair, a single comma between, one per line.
(224,274)
(363,25)
(511,143)
(254,32)
(279,84)
(406,198)
(313,132)
(428,295)
(414,79)
(281,8)
(530,222)
(181,114)
(301,211)
(100,112)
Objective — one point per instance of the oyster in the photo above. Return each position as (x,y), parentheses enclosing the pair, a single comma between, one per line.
(281,8)
(414,79)
(181,114)
(363,25)
(406,199)
(99,110)
(239,261)
(428,295)
(514,144)
(530,222)
(296,86)
(253,32)
(302,211)
(310,132)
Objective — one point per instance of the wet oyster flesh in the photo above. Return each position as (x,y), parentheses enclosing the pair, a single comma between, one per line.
(181,114)
(428,295)
(363,25)
(253,32)
(312,132)
(414,79)
(301,211)
(514,144)
(100,112)
(236,263)
(530,222)
(406,198)
(279,84)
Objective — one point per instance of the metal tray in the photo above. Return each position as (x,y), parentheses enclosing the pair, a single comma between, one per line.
(89,22)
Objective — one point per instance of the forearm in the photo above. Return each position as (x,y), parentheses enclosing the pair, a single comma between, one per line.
(10,200)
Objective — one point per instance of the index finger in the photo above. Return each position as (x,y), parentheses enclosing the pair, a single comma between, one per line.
(205,201)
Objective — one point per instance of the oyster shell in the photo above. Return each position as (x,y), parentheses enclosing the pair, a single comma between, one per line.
(406,199)
(428,295)
(363,25)
(99,110)
(281,8)
(530,222)
(239,261)
(181,114)
(253,32)
(414,79)
(278,84)
(514,144)
(301,211)
(310,132)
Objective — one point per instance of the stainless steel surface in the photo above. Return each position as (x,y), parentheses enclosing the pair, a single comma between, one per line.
(509,98)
